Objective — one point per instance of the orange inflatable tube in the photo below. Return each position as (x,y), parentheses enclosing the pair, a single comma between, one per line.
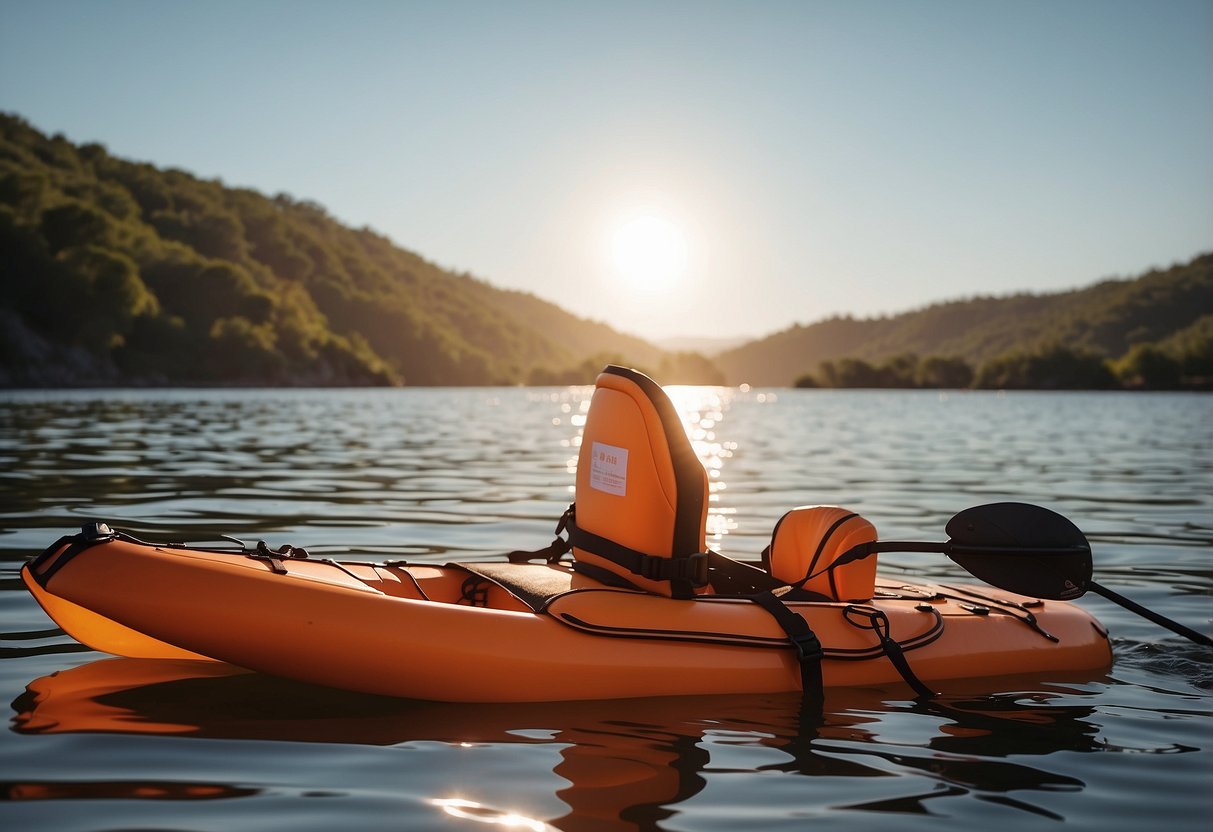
(447,633)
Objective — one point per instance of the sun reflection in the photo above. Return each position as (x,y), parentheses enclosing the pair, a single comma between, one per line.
(471,810)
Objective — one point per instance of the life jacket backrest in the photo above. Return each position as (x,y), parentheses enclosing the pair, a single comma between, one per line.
(639,485)
(808,539)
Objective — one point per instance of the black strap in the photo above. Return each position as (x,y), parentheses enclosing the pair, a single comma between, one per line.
(734,577)
(803,639)
(475,591)
(809,574)
(90,534)
(275,557)
(726,576)
(684,572)
(878,622)
(552,553)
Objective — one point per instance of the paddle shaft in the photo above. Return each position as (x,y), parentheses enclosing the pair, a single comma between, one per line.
(1161,620)
(951,547)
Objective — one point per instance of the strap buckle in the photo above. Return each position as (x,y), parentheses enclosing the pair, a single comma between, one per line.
(275,558)
(97,532)
(569,518)
(692,568)
(697,567)
(808,646)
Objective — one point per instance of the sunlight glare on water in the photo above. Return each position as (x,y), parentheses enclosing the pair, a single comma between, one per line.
(473,811)
(702,410)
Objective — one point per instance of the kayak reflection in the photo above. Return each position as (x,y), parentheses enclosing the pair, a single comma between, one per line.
(630,760)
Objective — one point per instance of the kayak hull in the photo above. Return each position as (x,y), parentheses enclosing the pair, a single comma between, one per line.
(439,633)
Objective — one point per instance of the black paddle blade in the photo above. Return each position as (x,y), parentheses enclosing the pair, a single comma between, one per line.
(1022,548)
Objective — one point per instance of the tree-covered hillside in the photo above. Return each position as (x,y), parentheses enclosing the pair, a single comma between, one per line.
(119,272)
(116,272)
(1160,312)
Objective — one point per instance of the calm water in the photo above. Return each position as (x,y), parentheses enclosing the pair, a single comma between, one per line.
(106,744)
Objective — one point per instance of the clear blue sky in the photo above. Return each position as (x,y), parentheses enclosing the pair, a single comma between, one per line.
(813,157)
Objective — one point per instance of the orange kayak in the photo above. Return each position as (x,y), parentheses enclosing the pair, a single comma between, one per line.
(526,632)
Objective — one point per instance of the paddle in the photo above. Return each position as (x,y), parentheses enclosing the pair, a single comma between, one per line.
(1024,549)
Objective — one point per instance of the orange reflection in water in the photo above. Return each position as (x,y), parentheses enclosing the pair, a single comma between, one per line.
(123,790)
(633,759)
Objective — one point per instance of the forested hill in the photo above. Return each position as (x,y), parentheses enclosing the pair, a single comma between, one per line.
(117,272)
(1166,314)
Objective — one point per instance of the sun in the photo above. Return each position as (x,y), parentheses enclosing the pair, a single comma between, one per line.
(648,250)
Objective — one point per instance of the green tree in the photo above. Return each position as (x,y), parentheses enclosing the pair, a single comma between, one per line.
(75,223)
(1148,367)
(202,292)
(211,232)
(243,351)
(856,373)
(938,372)
(899,371)
(25,190)
(1053,367)
(105,297)
(1196,361)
